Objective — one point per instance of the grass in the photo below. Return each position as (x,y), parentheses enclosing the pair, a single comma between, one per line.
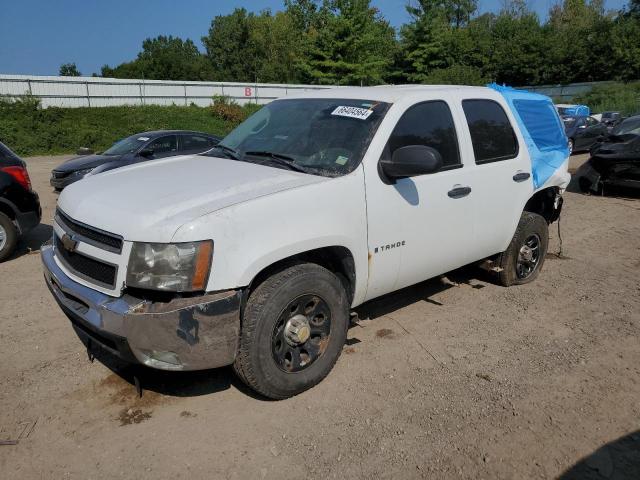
(619,97)
(29,129)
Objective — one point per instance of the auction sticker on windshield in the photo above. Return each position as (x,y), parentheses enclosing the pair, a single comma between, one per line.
(352,112)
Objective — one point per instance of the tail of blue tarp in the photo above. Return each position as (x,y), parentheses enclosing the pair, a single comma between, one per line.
(541,128)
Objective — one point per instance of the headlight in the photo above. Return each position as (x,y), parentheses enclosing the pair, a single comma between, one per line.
(84,171)
(174,267)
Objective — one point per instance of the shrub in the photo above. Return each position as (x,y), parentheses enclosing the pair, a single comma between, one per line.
(620,97)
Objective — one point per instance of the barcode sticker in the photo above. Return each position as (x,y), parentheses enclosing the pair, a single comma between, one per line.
(352,112)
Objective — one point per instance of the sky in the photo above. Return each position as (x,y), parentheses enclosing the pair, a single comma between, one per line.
(37,36)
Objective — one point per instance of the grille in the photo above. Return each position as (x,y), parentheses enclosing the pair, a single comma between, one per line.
(105,240)
(86,267)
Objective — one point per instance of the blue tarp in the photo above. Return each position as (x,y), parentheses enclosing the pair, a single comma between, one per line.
(541,128)
(577,110)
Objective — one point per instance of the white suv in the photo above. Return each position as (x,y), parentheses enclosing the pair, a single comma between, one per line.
(253,253)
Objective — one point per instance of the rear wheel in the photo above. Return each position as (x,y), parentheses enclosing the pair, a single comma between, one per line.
(522,261)
(8,237)
(294,327)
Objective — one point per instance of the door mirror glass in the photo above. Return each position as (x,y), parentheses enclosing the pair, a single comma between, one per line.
(411,161)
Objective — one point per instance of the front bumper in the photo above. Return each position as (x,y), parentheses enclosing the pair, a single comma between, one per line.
(60,183)
(182,334)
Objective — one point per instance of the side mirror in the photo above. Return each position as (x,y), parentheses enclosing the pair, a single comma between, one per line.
(411,161)
(146,153)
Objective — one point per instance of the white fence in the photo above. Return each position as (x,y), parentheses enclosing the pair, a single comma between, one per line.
(106,92)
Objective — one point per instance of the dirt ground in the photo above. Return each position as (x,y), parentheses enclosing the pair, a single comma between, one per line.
(453,378)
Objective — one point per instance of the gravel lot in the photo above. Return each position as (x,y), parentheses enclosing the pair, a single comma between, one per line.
(453,378)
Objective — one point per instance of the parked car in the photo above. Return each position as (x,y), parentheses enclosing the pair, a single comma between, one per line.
(134,149)
(610,119)
(583,132)
(253,254)
(573,110)
(19,204)
(616,160)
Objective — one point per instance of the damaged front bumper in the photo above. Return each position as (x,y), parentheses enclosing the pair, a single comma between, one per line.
(192,333)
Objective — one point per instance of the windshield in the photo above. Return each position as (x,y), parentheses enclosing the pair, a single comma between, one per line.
(628,126)
(569,121)
(319,136)
(127,145)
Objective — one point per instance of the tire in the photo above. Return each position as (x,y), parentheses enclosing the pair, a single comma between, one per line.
(8,237)
(266,339)
(571,145)
(532,232)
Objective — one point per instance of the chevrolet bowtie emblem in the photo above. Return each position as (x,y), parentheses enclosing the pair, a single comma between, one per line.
(69,243)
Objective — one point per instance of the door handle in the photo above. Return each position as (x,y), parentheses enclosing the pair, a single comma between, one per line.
(459,192)
(521,176)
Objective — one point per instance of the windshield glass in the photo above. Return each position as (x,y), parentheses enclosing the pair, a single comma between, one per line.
(628,126)
(569,121)
(127,145)
(319,136)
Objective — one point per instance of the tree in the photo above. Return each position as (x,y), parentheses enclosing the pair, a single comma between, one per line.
(245,47)
(351,44)
(164,58)
(625,43)
(69,70)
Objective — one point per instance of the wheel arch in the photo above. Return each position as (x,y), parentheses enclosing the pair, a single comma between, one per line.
(337,259)
(543,202)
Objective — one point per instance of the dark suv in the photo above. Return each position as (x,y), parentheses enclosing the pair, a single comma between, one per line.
(19,204)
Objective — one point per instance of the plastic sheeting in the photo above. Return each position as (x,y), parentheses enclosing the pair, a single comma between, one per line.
(541,128)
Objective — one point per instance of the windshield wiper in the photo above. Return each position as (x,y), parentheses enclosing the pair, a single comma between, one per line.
(280,159)
(232,153)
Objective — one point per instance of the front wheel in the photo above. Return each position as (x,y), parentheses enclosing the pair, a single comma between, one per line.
(293,330)
(522,261)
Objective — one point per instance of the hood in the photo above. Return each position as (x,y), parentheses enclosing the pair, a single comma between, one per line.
(85,161)
(150,201)
(628,143)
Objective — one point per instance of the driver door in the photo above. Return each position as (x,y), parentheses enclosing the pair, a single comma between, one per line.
(419,227)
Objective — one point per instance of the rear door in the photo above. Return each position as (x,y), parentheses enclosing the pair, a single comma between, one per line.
(192,143)
(501,173)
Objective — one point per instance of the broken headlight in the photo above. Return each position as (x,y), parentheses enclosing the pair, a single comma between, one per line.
(172,267)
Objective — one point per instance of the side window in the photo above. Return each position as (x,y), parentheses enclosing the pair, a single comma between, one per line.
(492,136)
(196,143)
(429,124)
(162,145)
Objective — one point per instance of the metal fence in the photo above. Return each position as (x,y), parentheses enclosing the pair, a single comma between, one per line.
(107,92)
(565,93)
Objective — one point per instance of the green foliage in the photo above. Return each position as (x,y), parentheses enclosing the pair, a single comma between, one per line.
(227,109)
(165,58)
(622,97)
(245,47)
(348,42)
(69,70)
(31,130)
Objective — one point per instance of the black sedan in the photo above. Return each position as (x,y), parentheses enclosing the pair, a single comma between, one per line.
(137,148)
(583,132)
(19,204)
(615,160)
